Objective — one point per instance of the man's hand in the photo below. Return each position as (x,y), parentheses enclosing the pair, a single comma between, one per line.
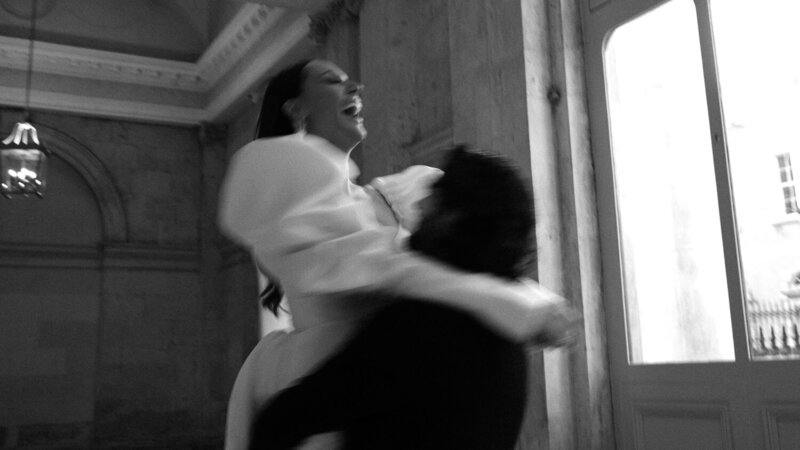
(562,327)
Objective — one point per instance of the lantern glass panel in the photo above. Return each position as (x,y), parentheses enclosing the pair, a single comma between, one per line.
(23,171)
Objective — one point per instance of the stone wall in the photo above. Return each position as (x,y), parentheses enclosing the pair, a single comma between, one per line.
(111,334)
(237,274)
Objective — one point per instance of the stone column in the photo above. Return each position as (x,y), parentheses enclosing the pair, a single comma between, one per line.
(580,271)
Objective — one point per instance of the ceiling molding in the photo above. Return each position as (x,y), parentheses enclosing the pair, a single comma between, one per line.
(100,65)
(308,6)
(109,256)
(242,45)
(254,70)
(246,29)
(105,107)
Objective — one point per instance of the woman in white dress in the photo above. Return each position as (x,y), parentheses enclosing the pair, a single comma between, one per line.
(288,198)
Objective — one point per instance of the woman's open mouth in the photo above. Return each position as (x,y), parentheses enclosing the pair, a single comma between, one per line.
(353,110)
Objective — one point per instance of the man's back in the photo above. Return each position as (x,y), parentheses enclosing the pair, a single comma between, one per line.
(418,376)
(455,384)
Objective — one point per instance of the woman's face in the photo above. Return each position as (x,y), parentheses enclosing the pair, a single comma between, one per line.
(331,105)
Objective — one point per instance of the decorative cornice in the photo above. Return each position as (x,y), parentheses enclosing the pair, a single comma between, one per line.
(100,65)
(117,256)
(246,29)
(50,256)
(105,107)
(241,41)
(255,69)
(150,257)
(335,12)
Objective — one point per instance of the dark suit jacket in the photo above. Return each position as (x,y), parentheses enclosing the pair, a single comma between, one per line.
(417,376)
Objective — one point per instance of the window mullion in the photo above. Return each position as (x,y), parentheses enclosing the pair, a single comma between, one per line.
(723,181)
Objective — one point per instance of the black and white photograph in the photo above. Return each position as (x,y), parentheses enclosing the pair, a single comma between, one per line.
(400,224)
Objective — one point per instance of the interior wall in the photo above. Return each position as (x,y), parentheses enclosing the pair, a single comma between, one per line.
(405,66)
(237,274)
(107,337)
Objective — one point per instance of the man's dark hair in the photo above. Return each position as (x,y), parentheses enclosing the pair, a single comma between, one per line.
(489,214)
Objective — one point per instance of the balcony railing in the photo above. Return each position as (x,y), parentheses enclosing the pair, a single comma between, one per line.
(774,329)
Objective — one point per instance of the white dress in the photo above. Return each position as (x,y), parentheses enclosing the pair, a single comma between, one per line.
(291,201)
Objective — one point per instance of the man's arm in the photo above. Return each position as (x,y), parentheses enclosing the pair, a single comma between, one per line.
(369,375)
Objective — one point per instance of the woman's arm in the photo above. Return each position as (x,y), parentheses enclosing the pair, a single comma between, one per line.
(289,206)
(522,311)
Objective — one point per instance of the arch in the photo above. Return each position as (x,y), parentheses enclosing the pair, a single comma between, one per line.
(99,179)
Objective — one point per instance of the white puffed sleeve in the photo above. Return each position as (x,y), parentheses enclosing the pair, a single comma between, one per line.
(404,190)
(286,194)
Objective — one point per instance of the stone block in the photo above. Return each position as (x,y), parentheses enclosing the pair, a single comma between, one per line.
(62,434)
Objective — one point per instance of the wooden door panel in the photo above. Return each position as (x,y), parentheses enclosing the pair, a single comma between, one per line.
(782,426)
(677,425)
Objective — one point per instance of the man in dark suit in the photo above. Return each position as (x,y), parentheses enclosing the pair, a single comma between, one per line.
(420,375)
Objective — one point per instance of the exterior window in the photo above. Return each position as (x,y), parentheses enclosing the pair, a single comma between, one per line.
(685,264)
(758,127)
(787,184)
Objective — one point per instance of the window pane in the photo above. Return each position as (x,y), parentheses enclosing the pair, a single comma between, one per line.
(759,70)
(675,288)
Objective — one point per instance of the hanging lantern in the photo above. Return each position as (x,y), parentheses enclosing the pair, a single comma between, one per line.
(23,162)
(23,159)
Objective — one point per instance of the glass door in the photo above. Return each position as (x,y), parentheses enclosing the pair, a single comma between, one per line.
(693,111)
(674,284)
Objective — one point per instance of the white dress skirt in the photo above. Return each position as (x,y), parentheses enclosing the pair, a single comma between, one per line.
(283,357)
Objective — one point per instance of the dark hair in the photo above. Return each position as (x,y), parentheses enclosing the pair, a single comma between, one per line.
(286,85)
(273,121)
(493,226)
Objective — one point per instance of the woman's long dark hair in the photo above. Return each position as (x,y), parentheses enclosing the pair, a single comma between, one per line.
(286,85)
(272,122)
